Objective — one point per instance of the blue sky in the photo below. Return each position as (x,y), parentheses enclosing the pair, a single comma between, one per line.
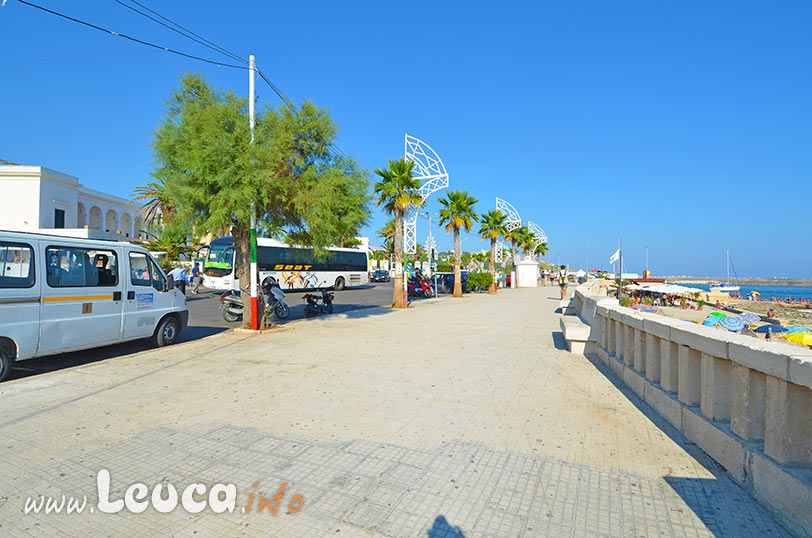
(683,126)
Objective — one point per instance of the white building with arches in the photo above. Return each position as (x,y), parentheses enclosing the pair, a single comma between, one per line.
(38,199)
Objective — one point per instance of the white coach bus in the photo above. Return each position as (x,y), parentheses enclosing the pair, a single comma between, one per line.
(62,294)
(292,267)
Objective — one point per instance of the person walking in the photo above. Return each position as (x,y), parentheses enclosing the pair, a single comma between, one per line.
(196,278)
(562,280)
(178,275)
(543,277)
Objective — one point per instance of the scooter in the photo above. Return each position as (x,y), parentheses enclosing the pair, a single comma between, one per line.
(313,308)
(419,286)
(272,297)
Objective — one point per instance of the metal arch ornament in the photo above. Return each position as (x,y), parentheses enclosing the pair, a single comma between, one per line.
(512,221)
(538,234)
(430,170)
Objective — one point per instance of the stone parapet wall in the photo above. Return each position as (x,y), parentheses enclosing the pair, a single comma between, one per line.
(745,402)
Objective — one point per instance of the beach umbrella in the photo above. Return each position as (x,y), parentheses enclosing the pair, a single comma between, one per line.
(718,314)
(773,328)
(732,324)
(710,321)
(800,338)
(755,293)
(797,329)
(749,318)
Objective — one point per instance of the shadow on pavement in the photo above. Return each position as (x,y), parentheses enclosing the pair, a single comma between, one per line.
(559,341)
(60,361)
(699,493)
(442,529)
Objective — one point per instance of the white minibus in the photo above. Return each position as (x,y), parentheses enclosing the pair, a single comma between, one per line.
(62,294)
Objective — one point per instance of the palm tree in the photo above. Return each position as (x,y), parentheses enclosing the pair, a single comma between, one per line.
(493,227)
(397,191)
(542,249)
(157,204)
(525,239)
(388,230)
(458,212)
(513,237)
(387,233)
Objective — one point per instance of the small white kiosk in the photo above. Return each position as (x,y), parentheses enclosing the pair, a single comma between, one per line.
(527,273)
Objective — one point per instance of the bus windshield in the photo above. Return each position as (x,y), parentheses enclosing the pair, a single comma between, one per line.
(219,261)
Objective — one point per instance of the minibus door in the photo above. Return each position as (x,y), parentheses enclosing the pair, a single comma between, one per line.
(19,294)
(145,297)
(82,301)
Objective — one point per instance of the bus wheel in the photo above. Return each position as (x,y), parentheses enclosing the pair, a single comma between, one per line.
(340,284)
(167,332)
(5,363)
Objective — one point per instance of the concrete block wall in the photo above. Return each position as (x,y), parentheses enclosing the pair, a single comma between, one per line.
(747,403)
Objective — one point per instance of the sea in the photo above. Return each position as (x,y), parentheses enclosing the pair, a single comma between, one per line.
(780,292)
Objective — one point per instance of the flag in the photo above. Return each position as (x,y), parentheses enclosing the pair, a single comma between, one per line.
(615,256)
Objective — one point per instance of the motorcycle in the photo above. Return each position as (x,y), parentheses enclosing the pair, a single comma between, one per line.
(419,286)
(272,297)
(314,308)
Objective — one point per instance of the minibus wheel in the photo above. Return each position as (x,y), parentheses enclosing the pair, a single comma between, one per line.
(167,332)
(340,283)
(5,364)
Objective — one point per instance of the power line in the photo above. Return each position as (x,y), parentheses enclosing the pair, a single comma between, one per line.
(142,42)
(189,35)
(197,38)
(213,46)
(200,41)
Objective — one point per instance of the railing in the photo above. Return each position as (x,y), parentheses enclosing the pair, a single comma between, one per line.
(746,402)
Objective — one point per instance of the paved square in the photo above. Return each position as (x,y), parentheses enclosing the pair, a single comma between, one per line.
(454,418)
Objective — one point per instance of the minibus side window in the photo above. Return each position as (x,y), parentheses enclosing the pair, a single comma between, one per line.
(139,269)
(16,265)
(69,267)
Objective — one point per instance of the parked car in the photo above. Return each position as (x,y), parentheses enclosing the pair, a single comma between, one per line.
(445,282)
(379,276)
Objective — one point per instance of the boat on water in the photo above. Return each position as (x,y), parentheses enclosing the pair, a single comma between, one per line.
(726,287)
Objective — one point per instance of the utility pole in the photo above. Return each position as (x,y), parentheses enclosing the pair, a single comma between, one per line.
(251,122)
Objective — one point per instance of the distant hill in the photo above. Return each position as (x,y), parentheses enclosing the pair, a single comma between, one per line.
(742,281)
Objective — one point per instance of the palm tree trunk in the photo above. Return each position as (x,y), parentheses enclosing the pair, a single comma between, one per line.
(493,265)
(398,300)
(457,262)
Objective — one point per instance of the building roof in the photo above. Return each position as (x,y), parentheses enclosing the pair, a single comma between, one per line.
(3,161)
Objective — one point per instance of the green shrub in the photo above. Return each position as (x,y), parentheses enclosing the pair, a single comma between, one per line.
(479,280)
(444,268)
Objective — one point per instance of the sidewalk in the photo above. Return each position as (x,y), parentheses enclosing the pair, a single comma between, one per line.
(462,417)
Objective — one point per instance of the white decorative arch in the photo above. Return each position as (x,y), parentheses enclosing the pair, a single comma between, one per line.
(538,234)
(429,168)
(94,218)
(512,221)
